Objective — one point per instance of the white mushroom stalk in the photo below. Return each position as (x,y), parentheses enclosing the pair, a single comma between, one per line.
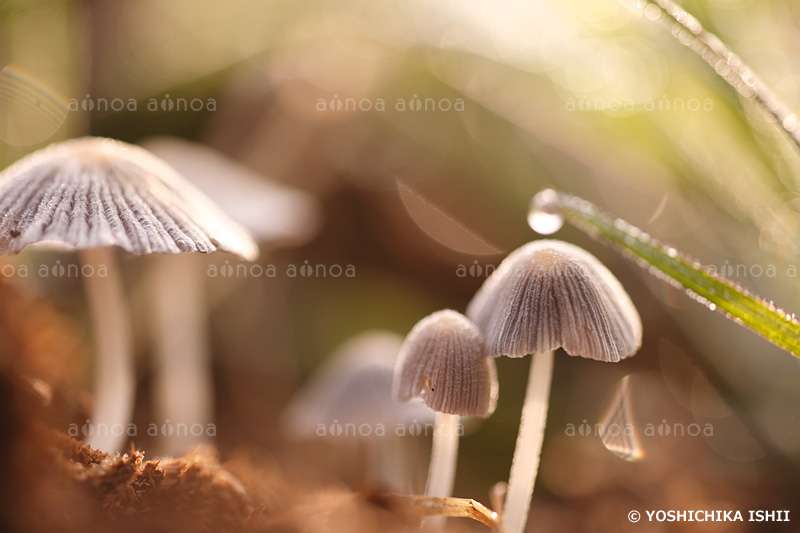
(94,194)
(444,456)
(530,438)
(443,362)
(442,469)
(183,387)
(547,295)
(274,214)
(114,375)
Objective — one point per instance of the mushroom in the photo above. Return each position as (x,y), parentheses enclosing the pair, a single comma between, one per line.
(93,194)
(274,214)
(443,362)
(350,397)
(545,295)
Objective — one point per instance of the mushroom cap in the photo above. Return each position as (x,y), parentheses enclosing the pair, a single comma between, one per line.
(550,294)
(272,212)
(444,363)
(354,386)
(94,192)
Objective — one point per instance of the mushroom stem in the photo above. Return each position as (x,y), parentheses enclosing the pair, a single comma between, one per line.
(114,381)
(387,465)
(183,387)
(529,444)
(442,470)
(444,453)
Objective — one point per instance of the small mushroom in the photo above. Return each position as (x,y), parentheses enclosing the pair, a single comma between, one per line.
(350,396)
(275,214)
(93,194)
(443,362)
(545,295)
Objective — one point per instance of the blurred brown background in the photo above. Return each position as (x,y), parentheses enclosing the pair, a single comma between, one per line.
(424,128)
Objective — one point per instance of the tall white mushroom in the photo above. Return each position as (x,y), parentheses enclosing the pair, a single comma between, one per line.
(546,295)
(274,214)
(93,194)
(443,362)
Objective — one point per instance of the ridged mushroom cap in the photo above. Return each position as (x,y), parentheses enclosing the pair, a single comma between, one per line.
(271,211)
(94,192)
(443,362)
(353,386)
(550,294)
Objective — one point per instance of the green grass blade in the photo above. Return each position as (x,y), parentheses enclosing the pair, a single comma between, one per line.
(725,63)
(704,286)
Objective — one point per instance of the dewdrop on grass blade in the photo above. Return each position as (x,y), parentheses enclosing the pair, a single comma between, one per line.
(546,295)
(443,362)
(544,215)
(95,194)
(702,284)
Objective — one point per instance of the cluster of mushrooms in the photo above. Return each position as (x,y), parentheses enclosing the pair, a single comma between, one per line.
(98,195)
(546,295)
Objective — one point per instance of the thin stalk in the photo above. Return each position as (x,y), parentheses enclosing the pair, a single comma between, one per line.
(442,470)
(444,453)
(497,494)
(387,467)
(396,465)
(114,378)
(182,386)
(426,506)
(525,464)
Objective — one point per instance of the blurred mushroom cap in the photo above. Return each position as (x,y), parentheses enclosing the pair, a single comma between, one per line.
(354,386)
(272,212)
(94,192)
(550,294)
(443,362)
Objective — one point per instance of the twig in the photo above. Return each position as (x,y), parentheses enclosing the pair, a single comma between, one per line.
(423,506)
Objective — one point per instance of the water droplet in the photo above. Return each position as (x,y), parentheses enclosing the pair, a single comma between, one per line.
(544,216)
(790,122)
(652,12)
(620,435)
